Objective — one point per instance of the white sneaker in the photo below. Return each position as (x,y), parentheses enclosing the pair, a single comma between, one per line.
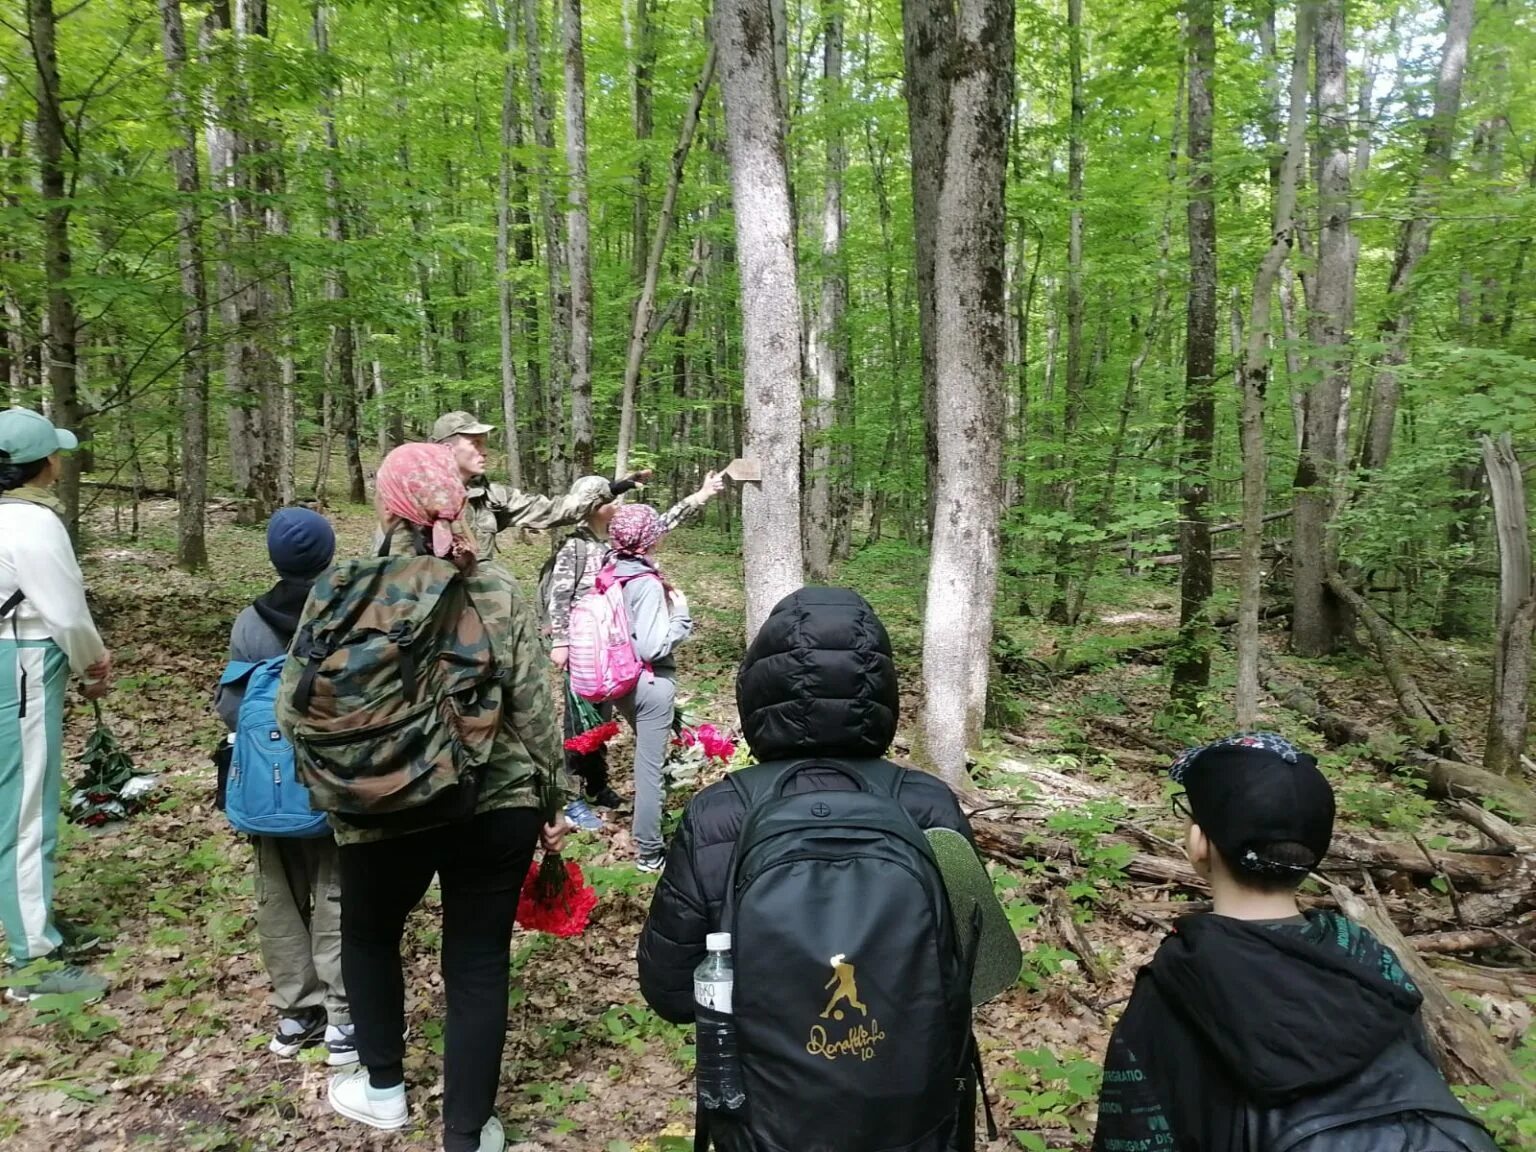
(492,1136)
(352,1096)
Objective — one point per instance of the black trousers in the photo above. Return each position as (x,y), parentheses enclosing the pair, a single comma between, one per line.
(481,864)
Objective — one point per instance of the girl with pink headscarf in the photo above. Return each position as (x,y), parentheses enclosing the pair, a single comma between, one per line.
(480,861)
(659,622)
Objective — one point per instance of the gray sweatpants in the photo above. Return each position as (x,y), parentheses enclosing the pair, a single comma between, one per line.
(649,710)
(298,923)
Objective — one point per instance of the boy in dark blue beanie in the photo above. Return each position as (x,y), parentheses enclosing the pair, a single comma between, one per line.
(298,885)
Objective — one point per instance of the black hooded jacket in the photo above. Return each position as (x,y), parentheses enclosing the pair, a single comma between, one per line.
(818,683)
(1293,1021)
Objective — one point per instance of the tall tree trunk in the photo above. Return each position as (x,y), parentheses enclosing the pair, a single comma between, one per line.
(642,49)
(1414,234)
(1253,377)
(770,302)
(1076,385)
(829,356)
(504,289)
(579,224)
(559,303)
(970,247)
(63,323)
(929,33)
(1510,704)
(337,287)
(645,307)
(1318,619)
(1191,664)
(192,492)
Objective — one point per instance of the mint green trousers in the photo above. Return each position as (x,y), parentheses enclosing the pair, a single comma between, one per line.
(33,674)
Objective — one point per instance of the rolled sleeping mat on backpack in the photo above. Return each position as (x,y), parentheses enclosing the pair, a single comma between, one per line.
(998,955)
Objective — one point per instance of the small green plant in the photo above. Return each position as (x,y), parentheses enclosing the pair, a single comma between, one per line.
(1048,1091)
(1102,865)
(73,1014)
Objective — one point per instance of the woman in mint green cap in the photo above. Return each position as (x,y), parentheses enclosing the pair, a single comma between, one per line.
(46,631)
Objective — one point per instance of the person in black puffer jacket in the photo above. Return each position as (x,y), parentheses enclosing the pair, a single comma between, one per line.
(818,682)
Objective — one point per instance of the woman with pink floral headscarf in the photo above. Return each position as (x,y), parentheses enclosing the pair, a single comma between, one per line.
(659,622)
(480,861)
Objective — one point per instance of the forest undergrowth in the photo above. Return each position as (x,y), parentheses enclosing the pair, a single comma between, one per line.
(175,1058)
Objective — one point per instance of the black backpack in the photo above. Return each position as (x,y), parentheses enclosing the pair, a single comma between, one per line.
(852,983)
(1399,1102)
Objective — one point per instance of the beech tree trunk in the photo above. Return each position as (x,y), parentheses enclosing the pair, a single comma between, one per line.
(579,223)
(1318,621)
(829,354)
(1253,377)
(1058,612)
(192,490)
(770,302)
(971,318)
(928,35)
(1191,663)
(505,322)
(1414,234)
(1510,702)
(559,304)
(58,259)
(337,289)
(645,307)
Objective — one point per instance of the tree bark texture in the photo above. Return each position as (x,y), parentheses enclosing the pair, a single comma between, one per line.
(770,302)
(580,230)
(1191,664)
(1510,703)
(645,307)
(505,321)
(58,259)
(192,491)
(971,319)
(1318,622)
(928,34)
(829,353)
(1414,235)
(1253,377)
(559,303)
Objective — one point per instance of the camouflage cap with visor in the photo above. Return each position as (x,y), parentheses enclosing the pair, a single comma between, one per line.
(451,424)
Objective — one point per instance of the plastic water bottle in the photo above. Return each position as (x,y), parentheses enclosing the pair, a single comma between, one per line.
(719,1064)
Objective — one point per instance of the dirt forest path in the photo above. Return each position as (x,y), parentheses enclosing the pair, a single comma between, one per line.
(175,1058)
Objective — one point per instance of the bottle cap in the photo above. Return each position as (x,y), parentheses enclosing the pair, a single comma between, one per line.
(718,941)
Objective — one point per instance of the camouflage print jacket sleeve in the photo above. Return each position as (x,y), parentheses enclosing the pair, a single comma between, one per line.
(683,511)
(513,508)
(575,571)
(528,748)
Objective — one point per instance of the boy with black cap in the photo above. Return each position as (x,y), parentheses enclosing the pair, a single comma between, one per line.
(1257,1027)
(298,883)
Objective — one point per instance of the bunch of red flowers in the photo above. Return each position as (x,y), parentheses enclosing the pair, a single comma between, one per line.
(715,744)
(593,738)
(556,898)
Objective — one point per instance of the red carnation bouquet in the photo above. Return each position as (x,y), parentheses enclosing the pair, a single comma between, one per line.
(556,897)
(592,731)
(713,743)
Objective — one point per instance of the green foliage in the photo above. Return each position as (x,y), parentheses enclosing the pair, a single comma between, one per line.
(1101,865)
(1049,1092)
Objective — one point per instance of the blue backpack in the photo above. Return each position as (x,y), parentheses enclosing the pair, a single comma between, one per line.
(263,796)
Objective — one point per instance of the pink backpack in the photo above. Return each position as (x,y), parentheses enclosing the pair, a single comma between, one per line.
(603,665)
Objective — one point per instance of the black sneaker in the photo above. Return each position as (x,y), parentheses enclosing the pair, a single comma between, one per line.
(78,939)
(298,1032)
(607,798)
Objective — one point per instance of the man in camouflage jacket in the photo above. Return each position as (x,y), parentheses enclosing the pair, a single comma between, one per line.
(493,508)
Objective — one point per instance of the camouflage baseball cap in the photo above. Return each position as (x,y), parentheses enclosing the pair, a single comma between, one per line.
(592,492)
(452,424)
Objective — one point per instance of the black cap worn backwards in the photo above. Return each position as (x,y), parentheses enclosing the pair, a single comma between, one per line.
(1246,796)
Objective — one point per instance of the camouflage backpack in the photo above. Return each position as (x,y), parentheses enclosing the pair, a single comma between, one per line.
(390,695)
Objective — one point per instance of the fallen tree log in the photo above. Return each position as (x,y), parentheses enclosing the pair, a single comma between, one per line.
(1514,983)
(1468,1052)
(1519,936)
(1446,778)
